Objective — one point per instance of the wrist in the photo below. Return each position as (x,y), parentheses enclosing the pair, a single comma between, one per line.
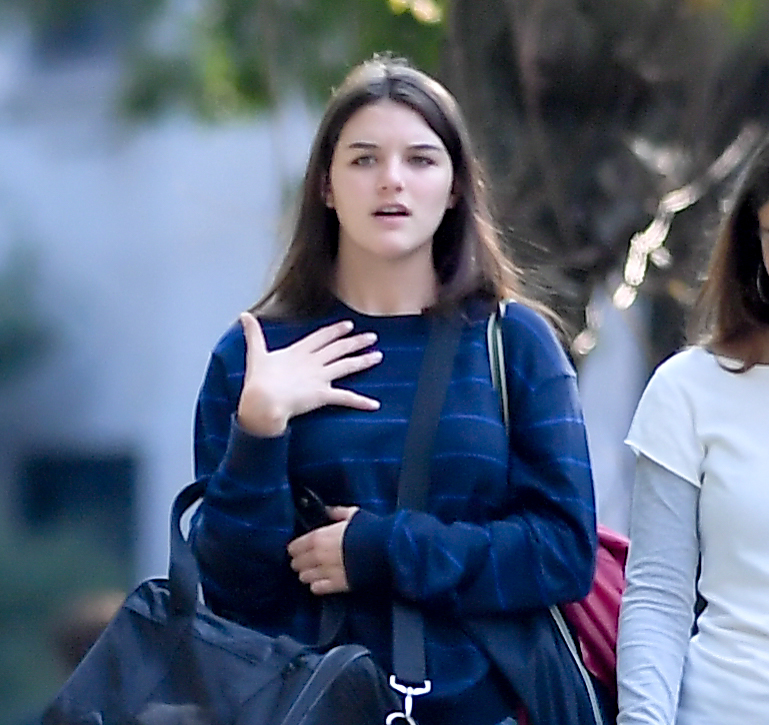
(265,424)
(247,453)
(364,552)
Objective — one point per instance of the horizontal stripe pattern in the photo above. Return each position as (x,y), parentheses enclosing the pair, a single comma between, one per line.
(510,523)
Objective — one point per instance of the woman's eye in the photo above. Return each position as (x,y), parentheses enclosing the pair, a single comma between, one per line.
(365,160)
(422,160)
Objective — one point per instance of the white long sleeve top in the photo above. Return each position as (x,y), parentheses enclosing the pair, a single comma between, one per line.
(702,490)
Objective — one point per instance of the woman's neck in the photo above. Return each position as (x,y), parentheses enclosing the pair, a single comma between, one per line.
(387,289)
(756,349)
(764,359)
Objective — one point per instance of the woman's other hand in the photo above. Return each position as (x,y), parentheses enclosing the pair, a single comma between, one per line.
(280,384)
(317,556)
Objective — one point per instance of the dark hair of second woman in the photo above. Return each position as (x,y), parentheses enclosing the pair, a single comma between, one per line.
(466,251)
(731,314)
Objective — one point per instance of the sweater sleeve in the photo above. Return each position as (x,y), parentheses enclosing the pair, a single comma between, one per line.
(658,604)
(542,552)
(247,505)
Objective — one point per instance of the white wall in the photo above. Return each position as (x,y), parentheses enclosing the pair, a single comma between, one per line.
(151,238)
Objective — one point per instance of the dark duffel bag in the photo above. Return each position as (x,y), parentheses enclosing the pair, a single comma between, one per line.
(166,659)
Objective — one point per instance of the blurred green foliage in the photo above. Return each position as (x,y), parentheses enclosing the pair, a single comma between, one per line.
(244,55)
(225,57)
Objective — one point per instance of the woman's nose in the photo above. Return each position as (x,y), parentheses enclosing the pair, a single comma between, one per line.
(391,176)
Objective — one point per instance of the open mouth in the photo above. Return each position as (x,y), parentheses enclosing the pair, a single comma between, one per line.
(392,211)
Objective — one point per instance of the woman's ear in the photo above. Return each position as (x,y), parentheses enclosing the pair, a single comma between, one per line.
(453,197)
(328,197)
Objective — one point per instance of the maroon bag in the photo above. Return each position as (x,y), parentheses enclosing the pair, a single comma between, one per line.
(596,617)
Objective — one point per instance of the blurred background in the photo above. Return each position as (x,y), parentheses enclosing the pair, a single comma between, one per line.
(149,154)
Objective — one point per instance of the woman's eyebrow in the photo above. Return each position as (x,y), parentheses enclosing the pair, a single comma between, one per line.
(425,147)
(413,146)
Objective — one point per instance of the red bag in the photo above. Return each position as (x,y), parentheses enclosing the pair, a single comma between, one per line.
(596,617)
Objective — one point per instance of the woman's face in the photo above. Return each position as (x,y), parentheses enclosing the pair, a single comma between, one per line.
(390,183)
(763,232)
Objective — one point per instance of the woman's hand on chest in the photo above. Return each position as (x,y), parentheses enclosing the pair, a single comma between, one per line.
(286,382)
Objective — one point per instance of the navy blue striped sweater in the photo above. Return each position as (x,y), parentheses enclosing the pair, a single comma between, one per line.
(510,521)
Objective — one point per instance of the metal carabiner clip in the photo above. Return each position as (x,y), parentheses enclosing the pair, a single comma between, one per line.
(393,717)
(409,693)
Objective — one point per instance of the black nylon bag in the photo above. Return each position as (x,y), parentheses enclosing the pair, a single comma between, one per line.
(534,658)
(166,659)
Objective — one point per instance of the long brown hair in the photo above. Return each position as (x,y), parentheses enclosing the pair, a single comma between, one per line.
(467,253)
(731,314)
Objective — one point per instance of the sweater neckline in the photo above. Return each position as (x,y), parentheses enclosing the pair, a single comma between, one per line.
(403,327)
(416,321)
(368,316)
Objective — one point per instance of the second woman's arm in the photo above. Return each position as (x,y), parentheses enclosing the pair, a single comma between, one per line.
(658,605)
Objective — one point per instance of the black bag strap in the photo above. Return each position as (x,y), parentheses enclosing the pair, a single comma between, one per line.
(183,575)
(432,384)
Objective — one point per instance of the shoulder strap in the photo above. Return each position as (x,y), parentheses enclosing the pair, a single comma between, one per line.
(496,348)
(432,384)
(409,667)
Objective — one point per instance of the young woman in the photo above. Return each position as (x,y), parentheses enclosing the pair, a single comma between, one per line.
(701,498)
(313,387)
